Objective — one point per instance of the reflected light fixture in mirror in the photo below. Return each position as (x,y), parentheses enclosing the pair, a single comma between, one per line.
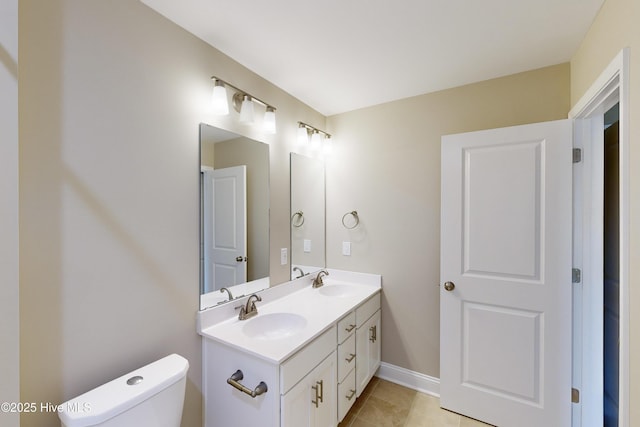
(243,103)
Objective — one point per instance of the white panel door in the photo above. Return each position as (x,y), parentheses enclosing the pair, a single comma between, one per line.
(225,227)
(505,302)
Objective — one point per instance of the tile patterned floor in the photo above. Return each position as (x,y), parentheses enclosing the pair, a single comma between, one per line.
(385,404)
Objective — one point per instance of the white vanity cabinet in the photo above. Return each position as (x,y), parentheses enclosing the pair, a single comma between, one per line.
(367,342)
(314,366)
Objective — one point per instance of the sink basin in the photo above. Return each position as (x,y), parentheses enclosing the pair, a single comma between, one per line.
(337,290)
(274,326)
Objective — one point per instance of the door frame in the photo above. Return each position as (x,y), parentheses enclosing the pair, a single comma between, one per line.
(610,87)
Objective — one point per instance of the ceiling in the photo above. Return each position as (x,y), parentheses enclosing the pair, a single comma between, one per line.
(342,55)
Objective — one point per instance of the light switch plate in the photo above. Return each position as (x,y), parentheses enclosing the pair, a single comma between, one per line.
(307,245)
(346,248)
(283,256)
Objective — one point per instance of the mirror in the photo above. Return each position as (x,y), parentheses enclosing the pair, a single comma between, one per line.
(307,215)
(234,216)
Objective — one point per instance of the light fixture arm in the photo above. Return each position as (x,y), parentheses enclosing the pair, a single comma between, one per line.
(314,129)
(241,93)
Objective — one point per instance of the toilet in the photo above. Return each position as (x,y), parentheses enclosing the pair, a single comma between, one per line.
(149,396)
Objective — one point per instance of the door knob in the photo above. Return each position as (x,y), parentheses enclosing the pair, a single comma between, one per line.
(241,259)
(449,286)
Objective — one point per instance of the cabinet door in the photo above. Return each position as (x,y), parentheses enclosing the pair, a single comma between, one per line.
(312,402)
(326,413)
(296,405)
(367,351)
(374,346)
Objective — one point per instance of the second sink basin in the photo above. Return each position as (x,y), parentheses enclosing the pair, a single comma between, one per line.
(273,326)
(337,290)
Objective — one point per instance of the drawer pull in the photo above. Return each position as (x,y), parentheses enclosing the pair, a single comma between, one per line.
(234,381)
(373,333)
(350,328)
(350,358)
(350,396)
(319,389)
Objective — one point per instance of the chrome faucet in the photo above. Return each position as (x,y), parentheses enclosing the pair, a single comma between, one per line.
(299,270)
(317,282)
(228,292)
(249,310)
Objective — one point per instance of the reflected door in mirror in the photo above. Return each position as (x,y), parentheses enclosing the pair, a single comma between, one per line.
(224,227)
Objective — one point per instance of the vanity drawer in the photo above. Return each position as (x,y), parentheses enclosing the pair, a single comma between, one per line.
(367,308)
(346,357)
(346,395)
(301,363)
(346,326)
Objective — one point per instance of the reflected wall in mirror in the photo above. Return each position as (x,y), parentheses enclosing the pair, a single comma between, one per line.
(234,216)
(307,215)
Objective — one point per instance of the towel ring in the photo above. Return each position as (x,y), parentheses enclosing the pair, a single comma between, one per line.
(354,214)
(300,220)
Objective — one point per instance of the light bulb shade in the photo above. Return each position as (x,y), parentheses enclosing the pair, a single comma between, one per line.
(327,147)
(303,135)
(246,110)
(219,102)
(270,120)
(316,140)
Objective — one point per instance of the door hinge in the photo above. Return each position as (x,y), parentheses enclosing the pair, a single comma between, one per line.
(577,155)
(575,395)
(576,275)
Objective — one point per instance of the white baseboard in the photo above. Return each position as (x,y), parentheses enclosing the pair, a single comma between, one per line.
(414,380)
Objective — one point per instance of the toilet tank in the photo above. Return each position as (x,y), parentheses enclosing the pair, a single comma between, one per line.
(149,396)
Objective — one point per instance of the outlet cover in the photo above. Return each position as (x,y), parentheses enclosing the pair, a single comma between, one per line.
(346,248)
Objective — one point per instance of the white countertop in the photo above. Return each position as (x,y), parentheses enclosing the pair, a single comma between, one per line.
(320,311)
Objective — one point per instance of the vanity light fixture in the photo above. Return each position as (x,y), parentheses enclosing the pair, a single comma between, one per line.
(243,103)
(319,138)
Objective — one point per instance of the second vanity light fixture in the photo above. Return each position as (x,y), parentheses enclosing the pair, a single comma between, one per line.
(242,102)
(317,138)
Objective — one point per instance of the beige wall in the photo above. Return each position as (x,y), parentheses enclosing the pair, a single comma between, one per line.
(616,27)
(111,96)
(9,291)
(387,167)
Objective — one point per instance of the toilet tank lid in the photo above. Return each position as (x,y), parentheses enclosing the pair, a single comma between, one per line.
(115,397)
